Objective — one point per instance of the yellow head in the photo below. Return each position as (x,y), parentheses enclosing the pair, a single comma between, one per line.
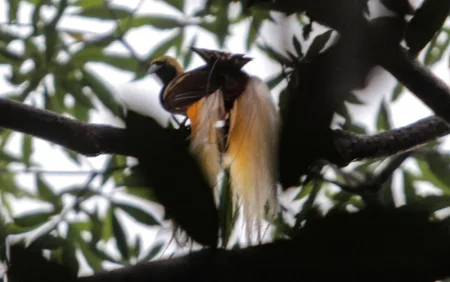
(166,68)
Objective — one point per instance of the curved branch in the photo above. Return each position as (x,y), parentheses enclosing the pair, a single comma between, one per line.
(81,137)
(352,147)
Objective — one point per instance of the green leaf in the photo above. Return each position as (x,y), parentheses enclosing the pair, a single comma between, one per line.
(396,92)
(103,13)
(318,44)
(177,4)
(107,230)
(44,191)
(33,219)
(51,41)
(158,22)
(13,7)
(440,168)
(119,235)
(383,120)
(27,149)
(428,19)
(301,215)
(277,56)
(164,47)
(104,94)
(253,30)
(138,214)
(304,191)
(142,192)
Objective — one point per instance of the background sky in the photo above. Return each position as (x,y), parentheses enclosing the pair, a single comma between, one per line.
(144,93)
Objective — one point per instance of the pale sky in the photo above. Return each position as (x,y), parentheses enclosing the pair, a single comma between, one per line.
(405,110)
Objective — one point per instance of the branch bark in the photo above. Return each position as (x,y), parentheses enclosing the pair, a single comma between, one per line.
(319,252)
(81,137)
(95,139)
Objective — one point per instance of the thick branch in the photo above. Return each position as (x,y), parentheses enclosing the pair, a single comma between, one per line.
(318,253)
(84,138)
(355,147)
(94,139)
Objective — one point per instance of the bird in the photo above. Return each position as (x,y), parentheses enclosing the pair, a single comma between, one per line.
(234,124)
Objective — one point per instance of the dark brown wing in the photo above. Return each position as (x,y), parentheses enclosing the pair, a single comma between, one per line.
(188,88)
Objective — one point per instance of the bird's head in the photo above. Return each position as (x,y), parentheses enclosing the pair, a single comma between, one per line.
(166,68)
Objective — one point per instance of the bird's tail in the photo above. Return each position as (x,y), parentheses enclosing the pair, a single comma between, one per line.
(206,135)
(251,154)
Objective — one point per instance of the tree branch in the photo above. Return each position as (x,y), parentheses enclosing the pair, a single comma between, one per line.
(95,139)
(84,138)
(323,247)
(352,147)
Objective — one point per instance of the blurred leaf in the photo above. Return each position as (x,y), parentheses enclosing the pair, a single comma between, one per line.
(158,22)
(51,41)
(153,252)
(409,187)
(428,19)
(93,261)
(12,10)
(45,191)
(301,215)
(297,46)
(255,25)
(138,214)
(353,99)
(142,192)
(436,49)
(188,56)
(440,168)
(277,56)
(177,4)
(433,202)
(107,230)
(103,13)
(398,89)
(383,120)
(33,219)
(318,44)
(121,238)
(27,149)
(274,81)
(305,190)
(104,94)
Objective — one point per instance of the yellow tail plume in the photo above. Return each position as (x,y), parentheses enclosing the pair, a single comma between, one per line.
(251,152)
(206,137)
(251,155)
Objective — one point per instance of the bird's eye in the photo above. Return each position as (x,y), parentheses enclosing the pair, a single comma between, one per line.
(159,63)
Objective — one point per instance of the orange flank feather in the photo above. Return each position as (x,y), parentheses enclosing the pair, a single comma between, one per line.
(206,137)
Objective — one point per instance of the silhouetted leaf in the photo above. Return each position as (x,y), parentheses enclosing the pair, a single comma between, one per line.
(153,252)
(138,214)
(318,44)
(121,238)
(440,168)
(383,120)
(297,46)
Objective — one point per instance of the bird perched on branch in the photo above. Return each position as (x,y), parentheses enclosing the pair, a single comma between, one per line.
(234,124)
